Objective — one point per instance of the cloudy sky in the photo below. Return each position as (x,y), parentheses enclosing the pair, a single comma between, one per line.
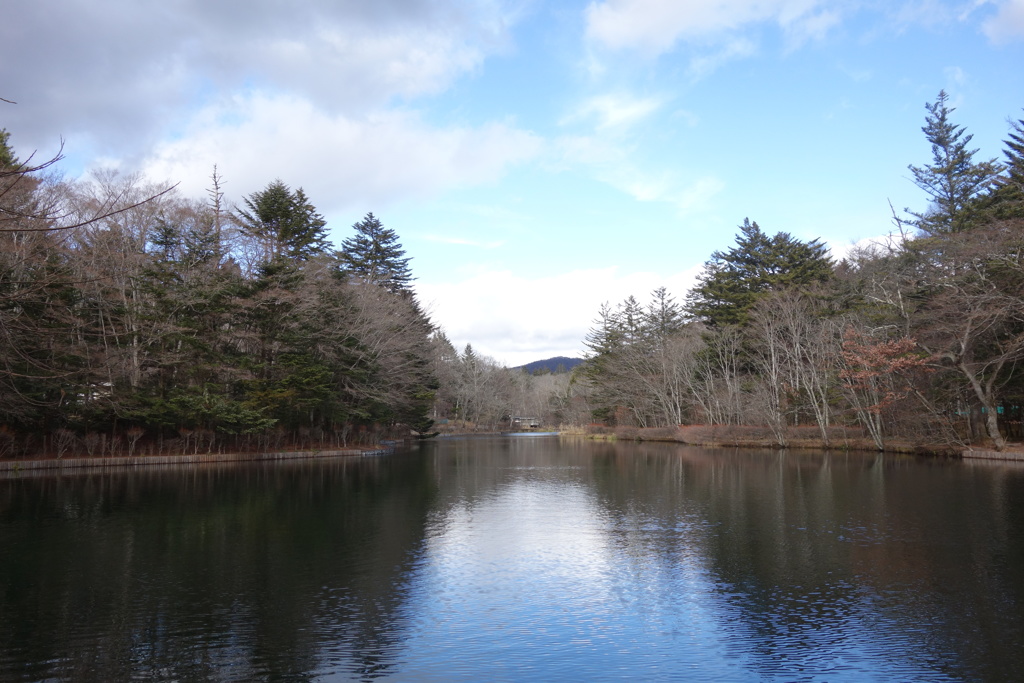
(535,158)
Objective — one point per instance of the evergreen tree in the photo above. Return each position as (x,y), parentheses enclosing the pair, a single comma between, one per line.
(1014,153)
(602,340)
(632,318)
(664,316)
(1007,199)
(285,222)
(469,357)
(734,280)
(953,180)
(7,158)
(374,255)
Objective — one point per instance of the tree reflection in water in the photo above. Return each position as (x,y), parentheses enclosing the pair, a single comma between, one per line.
(528,558)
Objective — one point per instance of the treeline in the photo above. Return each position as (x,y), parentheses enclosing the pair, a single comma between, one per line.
(135,320)
(476,393)
(919,338)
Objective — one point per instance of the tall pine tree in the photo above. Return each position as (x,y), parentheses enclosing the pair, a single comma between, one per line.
(1014,153)
(7,158)
(374,255)
(734,280)
(1007,199)
(285,222)
(953,180)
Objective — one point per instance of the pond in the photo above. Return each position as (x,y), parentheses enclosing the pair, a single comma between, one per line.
(523,558)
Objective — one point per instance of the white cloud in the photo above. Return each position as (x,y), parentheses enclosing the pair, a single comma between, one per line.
(698,195)
(655,26)
(643,187)
(121,73)
(463,242)
(615,111)
(856,74)
(611,163)
(687,117)
(338,160)
(930,13)
(705,65)
(812,27)
(876,243)
(517,319)
(571,150)
(955,76)
(1007,24)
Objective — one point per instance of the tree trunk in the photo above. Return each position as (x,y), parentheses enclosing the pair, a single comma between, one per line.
(988,404)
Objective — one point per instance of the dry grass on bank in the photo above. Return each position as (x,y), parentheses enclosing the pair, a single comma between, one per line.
(844,438)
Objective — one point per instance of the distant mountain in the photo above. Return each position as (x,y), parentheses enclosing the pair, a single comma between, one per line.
(553,365)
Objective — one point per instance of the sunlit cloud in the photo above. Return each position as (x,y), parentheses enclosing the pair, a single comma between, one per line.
(699,194)
(613,164)
(811,27)
(664,186)
(571,150)
(122,74)
(615,111)
(874,244)
(463,242)
(706,64)
(1008,22)
(687,117)
(342,162)
(552,313)
(955,75)
(656,26)
(857,75)
(904,15)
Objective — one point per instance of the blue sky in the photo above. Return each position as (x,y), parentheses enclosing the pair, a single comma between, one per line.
(536,159)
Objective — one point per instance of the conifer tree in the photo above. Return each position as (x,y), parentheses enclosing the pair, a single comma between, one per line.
(734,280)
(374,255)
(664,316)
(286,222)
(1014,153)
(953,180)
(7,158)
(1007,199)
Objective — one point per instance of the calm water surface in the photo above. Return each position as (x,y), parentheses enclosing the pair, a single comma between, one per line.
(528,558)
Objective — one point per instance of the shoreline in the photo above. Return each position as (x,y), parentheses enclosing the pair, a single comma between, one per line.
(49,466)
(706,436)
(63,465)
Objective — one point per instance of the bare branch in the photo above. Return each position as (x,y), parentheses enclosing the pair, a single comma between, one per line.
(100,214)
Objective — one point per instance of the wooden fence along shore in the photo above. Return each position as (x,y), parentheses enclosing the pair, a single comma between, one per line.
(70,464)
(1016,456)
(53,465)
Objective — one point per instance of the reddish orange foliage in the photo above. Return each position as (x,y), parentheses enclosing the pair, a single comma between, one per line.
(872,366)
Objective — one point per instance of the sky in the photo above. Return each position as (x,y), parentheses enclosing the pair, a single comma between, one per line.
(536,159)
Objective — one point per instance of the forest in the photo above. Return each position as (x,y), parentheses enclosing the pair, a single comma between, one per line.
(134,320)
(916,338)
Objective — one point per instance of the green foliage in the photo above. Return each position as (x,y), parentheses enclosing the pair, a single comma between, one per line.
(933,324)
(632,348)
(374,255)
(285,222)
(1006,201)
(144,324)
(735,279)
(206,408)
(664,316)
(7,157)
(953,180)
(1014,153)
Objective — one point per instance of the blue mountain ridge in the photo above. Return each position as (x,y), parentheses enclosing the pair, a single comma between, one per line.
(554,365)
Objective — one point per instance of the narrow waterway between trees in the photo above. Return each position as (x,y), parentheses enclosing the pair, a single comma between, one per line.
(522,558)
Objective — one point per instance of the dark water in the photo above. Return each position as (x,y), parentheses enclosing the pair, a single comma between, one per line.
(519,559)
